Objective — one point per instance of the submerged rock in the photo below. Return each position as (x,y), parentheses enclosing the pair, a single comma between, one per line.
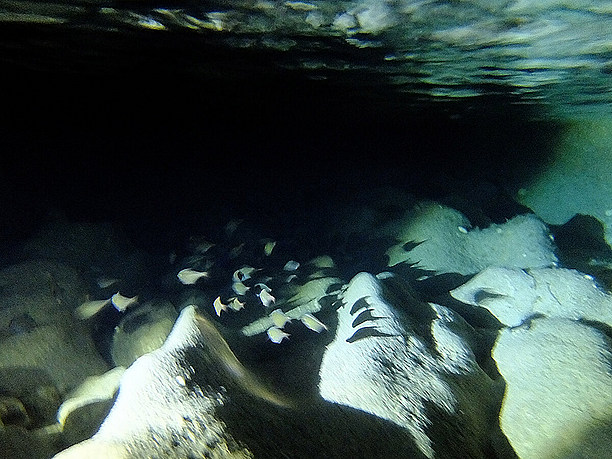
(142,330)
(558,381)
(167,399)
(578,180)
(409,362)
(99,248)
(63,353)
(194,398)
(38,292)
(35,390)
(515,295)
(81,414)
(444,242)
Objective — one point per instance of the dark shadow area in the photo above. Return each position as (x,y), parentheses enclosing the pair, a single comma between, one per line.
(581,245)
(166,134)
(319,430)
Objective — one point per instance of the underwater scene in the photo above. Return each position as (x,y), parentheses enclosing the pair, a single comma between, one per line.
(305,229)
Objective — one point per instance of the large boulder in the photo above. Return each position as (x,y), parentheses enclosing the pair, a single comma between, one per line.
(57,351)
(515,295)
(558,401)
(38,333)
(38,292)
(410,363)
(441,239)
(142,330)
(164,408)
(553,354)
(193,397)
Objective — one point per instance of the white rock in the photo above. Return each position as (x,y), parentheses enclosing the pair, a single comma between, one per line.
(448,244)
(66,353)
(379,364)
(168,399)
(559,386)
(142,330)
(508,293)
(93,389)
(513,295)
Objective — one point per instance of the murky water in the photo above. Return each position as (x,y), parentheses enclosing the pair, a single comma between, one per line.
(455,153)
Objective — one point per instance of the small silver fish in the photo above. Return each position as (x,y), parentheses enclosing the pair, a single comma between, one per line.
(269,247)
(90,308)
(232,226)
(263,286)
(236,305)
(121,302)
(279,318)
(219,306)
(190,276)
(104,282)
(276,335)
(239,288)
(313,323)
(203,247)
(291,265)
(243,273)
(236,251)
(266,298)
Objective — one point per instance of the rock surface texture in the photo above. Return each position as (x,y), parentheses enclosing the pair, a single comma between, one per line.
(386,361)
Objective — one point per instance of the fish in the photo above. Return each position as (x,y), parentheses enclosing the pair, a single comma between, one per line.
(236,251)
(236,305)
(313,323)
(291,265)
(239,288)
(269,247)
(104,282)
(263,287)
(266,298)
(277,335)
(90,308)
(190,276)
(203,246)
(279,318)
(232,226)
(219,306)
(290,278)
(121,302)
(244,273)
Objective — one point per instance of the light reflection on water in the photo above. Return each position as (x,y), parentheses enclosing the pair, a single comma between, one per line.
(554,54)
